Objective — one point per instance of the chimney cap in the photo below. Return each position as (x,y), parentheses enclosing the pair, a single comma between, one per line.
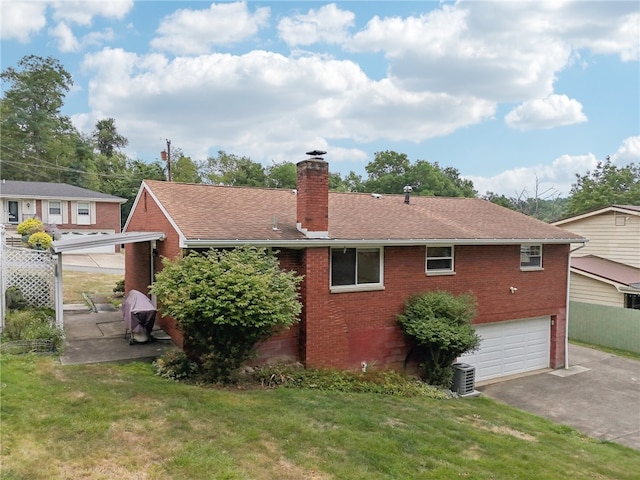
(316,153)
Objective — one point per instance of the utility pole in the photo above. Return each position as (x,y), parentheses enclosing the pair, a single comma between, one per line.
(166,156)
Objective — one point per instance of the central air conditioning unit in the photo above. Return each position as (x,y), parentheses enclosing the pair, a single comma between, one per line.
(464,380)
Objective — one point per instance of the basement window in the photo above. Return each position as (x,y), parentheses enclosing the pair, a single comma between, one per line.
(356,269)
(531,257)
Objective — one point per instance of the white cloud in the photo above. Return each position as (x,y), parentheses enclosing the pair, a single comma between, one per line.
(552,111)
(64,38)
(193,32)
(262,103)
(327,24)
(556,177)
(629,152)
(20,20)
(82,12)
(559,176)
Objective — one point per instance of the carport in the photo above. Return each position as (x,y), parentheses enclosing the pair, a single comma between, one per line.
(79,243)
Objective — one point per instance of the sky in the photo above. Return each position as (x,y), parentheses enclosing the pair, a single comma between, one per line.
(518,96)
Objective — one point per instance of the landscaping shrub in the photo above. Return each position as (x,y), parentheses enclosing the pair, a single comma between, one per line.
(30,226)
(383,382)
(439,326)
(15,298)
(40,240)
(225,302)
(32,324)
(175,365)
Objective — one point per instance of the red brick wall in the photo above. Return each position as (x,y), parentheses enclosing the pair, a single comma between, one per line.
(147,217)
(312,200)
(367,320)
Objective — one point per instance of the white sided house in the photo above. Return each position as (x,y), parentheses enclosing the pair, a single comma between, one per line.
(607,270)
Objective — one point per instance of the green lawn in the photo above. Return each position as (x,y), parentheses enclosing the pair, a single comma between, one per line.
(122,422)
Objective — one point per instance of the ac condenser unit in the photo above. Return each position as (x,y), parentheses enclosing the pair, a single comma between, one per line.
(464,379)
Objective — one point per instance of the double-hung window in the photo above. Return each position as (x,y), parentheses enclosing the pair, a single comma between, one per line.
(54,208)
(356,268)
(530,257)
(440,260)
(84,213)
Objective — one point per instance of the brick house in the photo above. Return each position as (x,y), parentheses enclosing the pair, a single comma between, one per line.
(362,255)
(74,211)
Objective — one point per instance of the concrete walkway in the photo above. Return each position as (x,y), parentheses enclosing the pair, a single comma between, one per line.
(599,395)
(100,337)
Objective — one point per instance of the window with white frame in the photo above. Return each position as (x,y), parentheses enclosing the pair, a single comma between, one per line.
(356,267)
(530,257)
(439,259)
(55,208)
(84,213)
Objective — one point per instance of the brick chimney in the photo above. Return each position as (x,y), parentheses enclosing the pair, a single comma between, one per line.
(313,197)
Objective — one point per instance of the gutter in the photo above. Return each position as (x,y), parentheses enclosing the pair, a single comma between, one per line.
(332,242)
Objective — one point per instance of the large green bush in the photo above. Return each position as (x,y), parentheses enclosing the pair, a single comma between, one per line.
(439,325)
(225,302)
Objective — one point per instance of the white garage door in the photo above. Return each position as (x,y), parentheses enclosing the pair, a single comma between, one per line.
(96,235)
(512,347)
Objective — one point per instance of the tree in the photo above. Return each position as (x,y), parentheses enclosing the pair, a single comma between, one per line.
(225,302)
(185,170)
(606,185)
(390,171)
(282,175)
(106,138)
(230,169)
(37,140)
(439,325)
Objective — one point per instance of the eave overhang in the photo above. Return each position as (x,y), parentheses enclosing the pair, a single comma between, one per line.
(88,241)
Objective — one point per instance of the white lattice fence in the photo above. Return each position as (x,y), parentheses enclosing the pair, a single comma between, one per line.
(34,273)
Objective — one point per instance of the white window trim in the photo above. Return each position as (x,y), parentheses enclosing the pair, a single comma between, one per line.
(531,269)
(364,287)
(451,271)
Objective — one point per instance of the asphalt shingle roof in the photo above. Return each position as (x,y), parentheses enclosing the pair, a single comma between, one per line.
(608,269)
(22,189)
(209,212)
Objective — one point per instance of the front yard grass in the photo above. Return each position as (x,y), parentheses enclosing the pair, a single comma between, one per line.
(110,421)
(75,283)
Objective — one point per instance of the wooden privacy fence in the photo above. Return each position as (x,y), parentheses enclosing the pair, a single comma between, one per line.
(605,326)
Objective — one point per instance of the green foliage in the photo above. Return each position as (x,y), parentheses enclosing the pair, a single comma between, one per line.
(282,175)
(32,324)
(606,185)
(390,171)
(40,240)
(230,169)
(383,382)
(29,226)
(37,140)
(225,302)
(15,298)
(439,325)
(119,288)
(175,365)
(106,138)
(185,170)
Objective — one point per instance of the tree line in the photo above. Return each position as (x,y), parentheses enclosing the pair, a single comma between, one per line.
(39,143)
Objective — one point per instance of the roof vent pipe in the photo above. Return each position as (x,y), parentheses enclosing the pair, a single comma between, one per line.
(407,193)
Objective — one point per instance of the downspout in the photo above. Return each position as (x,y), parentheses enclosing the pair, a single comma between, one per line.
(566,323)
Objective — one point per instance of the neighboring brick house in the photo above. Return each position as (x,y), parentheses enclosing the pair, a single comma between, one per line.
(363,255)
(73,210)
(607,270)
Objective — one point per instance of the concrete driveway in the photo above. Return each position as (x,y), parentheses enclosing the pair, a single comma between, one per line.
(599,395)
